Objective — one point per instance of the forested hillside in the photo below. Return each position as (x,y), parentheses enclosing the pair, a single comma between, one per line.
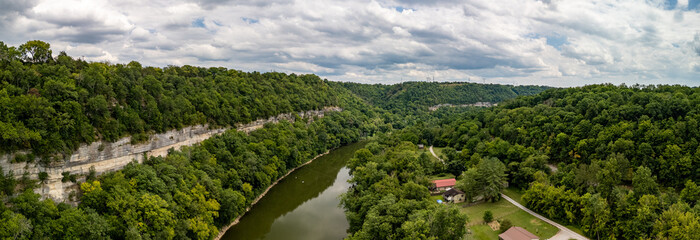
(408,97)
(389,198)
(626,157)
(189,194)
(52,105)
(620,162)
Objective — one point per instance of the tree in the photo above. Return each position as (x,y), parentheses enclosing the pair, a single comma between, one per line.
(14,226)
(488,216)
(677,222)
(493,174)
(486,179)
(691,193)
(646,214)
(643,182)
(596,213)
(7,183)
(8,53)
(447,222)
(470,184)
(36,51)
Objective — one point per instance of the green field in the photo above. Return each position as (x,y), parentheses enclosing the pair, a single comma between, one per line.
(438,151)
(426,151)
(517,194)
(437,197)
(504,210)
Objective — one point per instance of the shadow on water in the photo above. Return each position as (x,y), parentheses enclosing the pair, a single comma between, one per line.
(304,205)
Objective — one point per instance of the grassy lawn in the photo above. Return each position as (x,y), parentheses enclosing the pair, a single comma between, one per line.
(426,151)
(481,232)
(517,194)
(437,197)
(438,151)
(504,210)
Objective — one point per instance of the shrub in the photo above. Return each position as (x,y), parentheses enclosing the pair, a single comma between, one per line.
(505,225)
(488,216)
(66,177)
(43,176)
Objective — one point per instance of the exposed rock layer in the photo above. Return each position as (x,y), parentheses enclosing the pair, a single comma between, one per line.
(112,156)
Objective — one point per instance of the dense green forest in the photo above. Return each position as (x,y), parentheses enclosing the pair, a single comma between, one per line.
(409,97)
(389,197)
(624,160)
(52,105)
(189,194)
(620,162)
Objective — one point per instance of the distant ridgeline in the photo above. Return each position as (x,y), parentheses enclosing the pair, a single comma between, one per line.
(409,97)
(52,105)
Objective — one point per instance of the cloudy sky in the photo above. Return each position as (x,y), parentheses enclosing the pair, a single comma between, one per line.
(543,42)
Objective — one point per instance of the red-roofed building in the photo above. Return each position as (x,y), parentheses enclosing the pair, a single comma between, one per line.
(444,184)
(517,233)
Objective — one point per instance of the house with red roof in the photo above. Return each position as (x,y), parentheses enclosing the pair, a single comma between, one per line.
(443,184)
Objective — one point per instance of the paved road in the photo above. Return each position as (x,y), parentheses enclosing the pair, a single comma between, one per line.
(563,234)
(435,155)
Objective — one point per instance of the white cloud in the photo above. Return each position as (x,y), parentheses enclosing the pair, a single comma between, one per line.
(560,43)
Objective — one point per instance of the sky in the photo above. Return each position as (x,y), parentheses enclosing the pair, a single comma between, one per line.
(522,42)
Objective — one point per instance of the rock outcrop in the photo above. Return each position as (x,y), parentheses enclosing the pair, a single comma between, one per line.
(476,104)
(112,156)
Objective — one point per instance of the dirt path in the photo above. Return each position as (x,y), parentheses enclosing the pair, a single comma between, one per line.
(563,234)
(435,155)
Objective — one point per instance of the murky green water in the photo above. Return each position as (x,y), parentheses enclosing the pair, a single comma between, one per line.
(304,205)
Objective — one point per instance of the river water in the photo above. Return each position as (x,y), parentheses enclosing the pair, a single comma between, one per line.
(304,205)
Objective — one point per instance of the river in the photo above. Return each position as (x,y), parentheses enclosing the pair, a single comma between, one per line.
(304,205)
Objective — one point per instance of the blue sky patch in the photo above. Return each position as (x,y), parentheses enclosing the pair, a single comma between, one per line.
(670,4)
(400,9)
(250,20)
(694,5)
(199,23)
(556,41)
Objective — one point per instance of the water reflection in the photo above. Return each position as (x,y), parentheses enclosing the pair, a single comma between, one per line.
(304,205)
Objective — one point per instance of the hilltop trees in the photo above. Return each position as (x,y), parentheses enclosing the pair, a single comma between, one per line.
(36,51)
(51,106)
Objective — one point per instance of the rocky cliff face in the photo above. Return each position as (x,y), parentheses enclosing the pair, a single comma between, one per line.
(112,156)
(477,104)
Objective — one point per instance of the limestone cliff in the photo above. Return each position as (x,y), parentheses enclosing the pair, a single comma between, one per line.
(112,156)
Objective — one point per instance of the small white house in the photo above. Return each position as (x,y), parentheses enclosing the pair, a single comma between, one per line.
(453,195)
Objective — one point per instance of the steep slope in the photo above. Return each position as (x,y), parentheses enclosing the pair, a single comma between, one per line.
(53,106)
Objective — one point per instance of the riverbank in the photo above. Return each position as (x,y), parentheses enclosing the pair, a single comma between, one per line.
(223,230)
